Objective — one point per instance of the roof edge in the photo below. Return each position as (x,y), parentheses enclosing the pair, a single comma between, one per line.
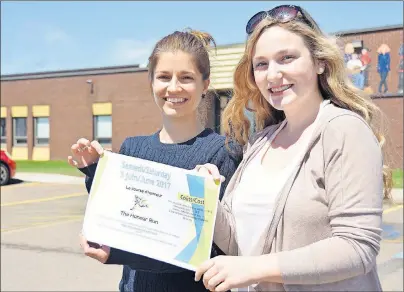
(73,72)
(367,30)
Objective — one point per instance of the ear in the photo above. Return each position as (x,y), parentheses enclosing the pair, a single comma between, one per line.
(206,84)
(320,66)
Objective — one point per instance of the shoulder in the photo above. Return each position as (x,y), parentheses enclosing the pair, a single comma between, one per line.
(132,142)
(343,120)
(224,149)
(344,128)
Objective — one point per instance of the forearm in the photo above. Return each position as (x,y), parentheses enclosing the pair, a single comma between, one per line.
(314,264)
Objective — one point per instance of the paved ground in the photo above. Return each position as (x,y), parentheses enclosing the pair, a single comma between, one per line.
(40,223)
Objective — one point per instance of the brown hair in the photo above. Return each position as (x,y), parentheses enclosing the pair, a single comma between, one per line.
(333,84)
(193,42)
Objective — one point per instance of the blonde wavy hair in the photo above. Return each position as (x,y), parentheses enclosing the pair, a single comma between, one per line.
(334,85)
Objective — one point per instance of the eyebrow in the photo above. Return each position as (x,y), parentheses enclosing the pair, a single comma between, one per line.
(181,72)
(281,52)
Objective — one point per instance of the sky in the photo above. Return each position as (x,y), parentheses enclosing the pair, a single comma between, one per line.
(41,36)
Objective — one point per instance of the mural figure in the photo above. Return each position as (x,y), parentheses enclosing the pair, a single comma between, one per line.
(349,50)
(400,70)
(355,71)
(365,59)
(383,66)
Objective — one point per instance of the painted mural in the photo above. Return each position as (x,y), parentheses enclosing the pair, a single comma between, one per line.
(358,62)
(400,70)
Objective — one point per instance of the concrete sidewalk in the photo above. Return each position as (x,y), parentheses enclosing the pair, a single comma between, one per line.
(49,178)
(397,196)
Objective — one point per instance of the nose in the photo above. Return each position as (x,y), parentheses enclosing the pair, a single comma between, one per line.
(274,73)
(174,86)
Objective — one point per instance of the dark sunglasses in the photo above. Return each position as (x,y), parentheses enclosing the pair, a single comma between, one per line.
(282,13)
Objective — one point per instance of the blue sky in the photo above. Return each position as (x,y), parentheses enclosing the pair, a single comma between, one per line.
(41,36)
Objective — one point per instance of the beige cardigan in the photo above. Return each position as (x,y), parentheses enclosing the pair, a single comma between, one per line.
(326,226)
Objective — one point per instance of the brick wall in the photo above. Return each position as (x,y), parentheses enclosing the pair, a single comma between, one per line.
(393,110)
(133,109)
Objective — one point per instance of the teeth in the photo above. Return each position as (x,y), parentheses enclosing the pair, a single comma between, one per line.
(175,99)
(282,88)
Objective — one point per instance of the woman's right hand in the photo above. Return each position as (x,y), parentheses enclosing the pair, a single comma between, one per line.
(85,153)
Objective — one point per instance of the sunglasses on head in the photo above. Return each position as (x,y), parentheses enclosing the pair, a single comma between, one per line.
(282,13)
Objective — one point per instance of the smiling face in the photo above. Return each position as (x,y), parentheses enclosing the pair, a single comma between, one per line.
(177,84)
(284,70)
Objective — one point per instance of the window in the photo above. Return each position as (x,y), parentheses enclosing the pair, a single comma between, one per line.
(20,131)
(358,46)
(3,131)
(41,131)
(103,129)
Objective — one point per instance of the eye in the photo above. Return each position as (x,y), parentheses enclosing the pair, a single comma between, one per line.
(188,78)
(163,77)
(260,65)
(287,58)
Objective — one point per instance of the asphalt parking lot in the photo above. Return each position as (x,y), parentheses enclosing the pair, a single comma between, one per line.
(40,250)
(40,223)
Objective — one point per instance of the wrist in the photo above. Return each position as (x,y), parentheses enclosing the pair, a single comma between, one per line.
(268,269)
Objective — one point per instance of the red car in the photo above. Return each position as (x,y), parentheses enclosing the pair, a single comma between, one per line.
(7,168)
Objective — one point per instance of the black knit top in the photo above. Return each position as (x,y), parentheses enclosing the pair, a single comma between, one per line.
(144,274)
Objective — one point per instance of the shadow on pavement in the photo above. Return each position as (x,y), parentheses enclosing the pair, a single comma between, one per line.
(15,181)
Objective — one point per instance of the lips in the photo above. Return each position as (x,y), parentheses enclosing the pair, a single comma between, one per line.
(280,89)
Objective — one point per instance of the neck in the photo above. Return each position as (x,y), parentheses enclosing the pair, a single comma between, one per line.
(178,130)
(298,119)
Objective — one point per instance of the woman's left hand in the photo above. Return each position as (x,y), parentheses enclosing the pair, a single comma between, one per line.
(223,273)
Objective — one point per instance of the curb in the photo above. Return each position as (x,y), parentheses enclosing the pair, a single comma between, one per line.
(49,178)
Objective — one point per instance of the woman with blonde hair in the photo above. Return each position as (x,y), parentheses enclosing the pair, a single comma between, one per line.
(303,211)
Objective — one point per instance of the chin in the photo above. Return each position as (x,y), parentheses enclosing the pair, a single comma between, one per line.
(173,113)
(281,102)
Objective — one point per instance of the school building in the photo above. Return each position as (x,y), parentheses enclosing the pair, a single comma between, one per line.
(43,113)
